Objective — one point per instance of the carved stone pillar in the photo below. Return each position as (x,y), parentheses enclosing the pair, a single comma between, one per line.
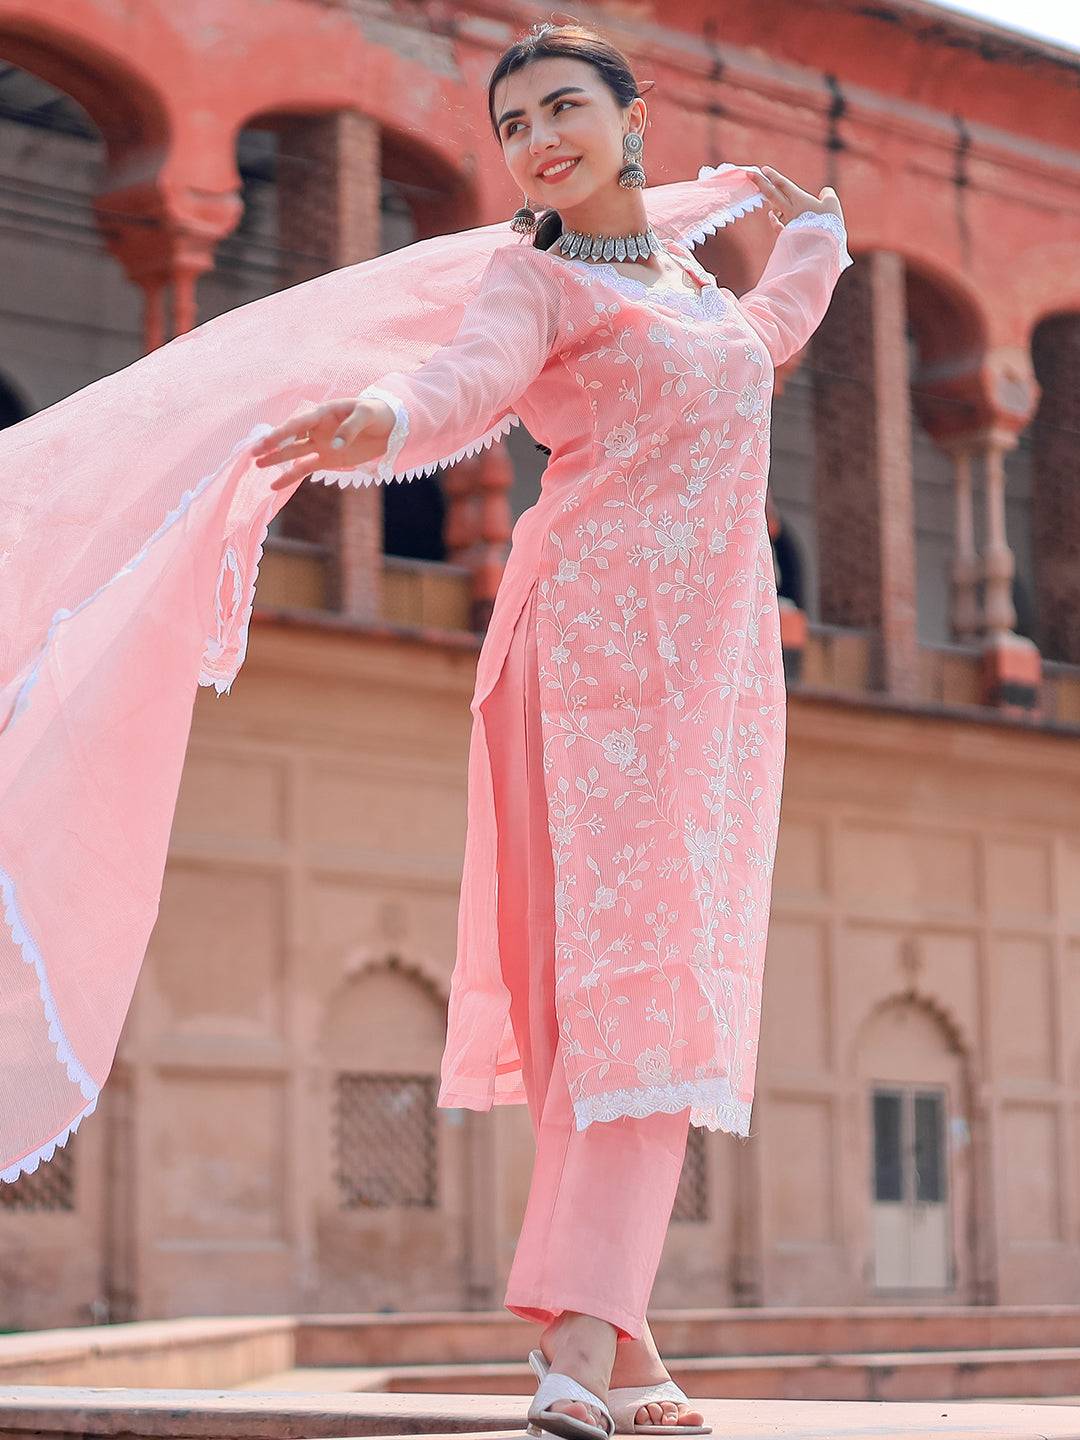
(998,561)
(965,616)
(982,603)
(863,477)
(1012,665)
(1055,490)
(329,215)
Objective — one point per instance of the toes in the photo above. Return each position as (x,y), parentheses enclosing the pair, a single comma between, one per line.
(577,1410)
(660,1412)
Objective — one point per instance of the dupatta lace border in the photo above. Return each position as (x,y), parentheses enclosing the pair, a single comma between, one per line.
(64,1053)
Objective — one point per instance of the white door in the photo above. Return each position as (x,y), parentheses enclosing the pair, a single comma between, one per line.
(911,1211)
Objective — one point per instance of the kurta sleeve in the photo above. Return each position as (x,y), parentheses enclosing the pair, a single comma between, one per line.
(789,301)
(463,397)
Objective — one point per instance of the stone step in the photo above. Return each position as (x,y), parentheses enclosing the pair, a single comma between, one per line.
(897,1376)
(461,1338)
(118,1414)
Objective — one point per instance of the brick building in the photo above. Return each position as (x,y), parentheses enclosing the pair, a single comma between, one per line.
(268,1139)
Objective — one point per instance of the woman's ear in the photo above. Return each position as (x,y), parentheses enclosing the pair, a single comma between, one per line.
(639,115)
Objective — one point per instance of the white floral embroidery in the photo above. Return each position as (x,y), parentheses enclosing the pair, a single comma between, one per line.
(663,709)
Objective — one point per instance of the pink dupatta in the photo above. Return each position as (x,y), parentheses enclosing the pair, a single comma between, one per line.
(131,528)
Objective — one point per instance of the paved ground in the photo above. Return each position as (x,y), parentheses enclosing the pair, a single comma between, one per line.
(30,1410)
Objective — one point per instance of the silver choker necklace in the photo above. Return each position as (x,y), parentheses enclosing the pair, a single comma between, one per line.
(576,246)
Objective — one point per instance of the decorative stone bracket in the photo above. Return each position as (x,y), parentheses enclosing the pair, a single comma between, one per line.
(165,243)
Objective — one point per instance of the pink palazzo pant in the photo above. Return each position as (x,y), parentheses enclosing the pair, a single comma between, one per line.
(601,1198)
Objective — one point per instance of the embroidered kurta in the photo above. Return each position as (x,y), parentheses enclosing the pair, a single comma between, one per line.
(661,680)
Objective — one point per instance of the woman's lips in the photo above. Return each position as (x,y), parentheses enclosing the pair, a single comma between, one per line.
(552,174)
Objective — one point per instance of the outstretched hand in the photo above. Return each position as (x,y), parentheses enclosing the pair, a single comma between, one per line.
(785,200)
(336,436)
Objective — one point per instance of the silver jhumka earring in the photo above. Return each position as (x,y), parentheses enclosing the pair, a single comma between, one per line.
(524,221)
(632,175)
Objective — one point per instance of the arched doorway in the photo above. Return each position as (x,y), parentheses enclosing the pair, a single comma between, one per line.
(914,1133)
(954,429)
(73,316)
(387,1170)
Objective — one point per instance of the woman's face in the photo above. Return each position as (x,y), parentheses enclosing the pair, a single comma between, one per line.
(562,130)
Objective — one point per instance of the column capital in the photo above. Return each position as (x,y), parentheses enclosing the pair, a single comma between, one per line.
(165,237)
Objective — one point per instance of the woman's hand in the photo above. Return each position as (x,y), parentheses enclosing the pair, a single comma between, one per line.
(786,200)
(336,436)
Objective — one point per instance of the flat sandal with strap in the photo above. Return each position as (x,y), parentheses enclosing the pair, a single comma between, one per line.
(627,1400)
(556,1386)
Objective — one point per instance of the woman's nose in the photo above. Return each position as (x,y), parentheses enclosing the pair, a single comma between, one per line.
(544,136)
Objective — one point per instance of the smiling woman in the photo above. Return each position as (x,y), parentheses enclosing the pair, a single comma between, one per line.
(631,817)
(626,756)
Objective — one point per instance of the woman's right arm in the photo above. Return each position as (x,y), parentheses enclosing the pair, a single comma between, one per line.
(414,422)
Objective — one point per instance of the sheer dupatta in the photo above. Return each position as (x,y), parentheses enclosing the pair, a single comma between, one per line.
(131,526)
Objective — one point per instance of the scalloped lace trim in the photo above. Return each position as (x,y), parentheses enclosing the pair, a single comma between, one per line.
(818,220)
(66,1056)
(29,1163)
(710,1103)
(371,476)
(719,218)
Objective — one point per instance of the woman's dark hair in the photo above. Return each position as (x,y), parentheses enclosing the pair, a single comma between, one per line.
(564,42)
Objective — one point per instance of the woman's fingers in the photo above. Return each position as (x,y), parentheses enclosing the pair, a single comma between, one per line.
(295,474)
(299,425)
(780,183)
(338,435)
(287,453)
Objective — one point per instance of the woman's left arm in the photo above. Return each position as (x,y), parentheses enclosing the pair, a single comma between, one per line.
(789,301)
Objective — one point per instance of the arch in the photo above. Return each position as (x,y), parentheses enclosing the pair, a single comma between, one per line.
(421,969)
(945,1024)
(946,317)
(439,194)
(387,1016)
(125,106)
(950,335)
(933,1054)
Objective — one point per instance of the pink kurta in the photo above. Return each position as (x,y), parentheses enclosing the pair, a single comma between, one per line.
(661,680)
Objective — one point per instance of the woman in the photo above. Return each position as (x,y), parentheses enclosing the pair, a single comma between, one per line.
(627,747)
(627,744)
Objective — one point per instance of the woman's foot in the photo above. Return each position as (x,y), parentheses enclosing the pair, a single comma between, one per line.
(583,1348)
(637,1365)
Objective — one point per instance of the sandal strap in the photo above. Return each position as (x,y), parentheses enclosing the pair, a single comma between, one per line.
(556,1386)
(627,1400)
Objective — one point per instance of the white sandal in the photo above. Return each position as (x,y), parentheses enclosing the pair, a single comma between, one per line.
(626,1401)
(555,1386)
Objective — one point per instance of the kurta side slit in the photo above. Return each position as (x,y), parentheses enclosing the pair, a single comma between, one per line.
(601,1198)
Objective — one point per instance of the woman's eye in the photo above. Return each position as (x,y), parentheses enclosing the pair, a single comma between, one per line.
(567,104)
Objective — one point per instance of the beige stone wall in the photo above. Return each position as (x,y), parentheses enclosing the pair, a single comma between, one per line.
(926,930)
